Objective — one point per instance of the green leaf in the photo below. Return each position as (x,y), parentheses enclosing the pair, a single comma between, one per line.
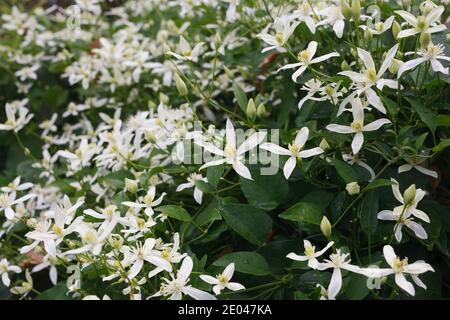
(356,288)
(369,210)
(319,198)
(175,212)
(303,211)
(251,223)
(211,213)
(345,171)
(426,115)
(443,120)
(245,262)
(391,106)
(203,186)
(442,145)
(378,183)
(264,192)
(58,292)
(298,295)
(240,96)
(117,179)
(213,174)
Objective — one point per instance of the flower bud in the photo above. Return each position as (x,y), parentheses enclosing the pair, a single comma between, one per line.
(345,8)
(356,10)
(151,105)
(131,185)
(353,188)
(426,6)
(181,86)
(425,39)
(409,195)
(228,72)
(217,40)
(149,136)
(368,35)
(406,4)
(395,65)
(32,223)
(261,111)
(345,66)
(163,98)
(324,145)
(396,28)
(325,227)
(251,110)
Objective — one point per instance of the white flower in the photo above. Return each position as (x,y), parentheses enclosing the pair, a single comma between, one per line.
(380,27)
(305,13)
(178,285)
(48,262)
(136,256)
(170,254)
(337,261)
(13,123)
(432,53)
(222,281)
(27,73)
(25,288)
(94,297)
(306,58)
(402,215)
(186,52)
(82,155)
(192,179)
(283,30)
(310,254)
(402,218)
(5,268)
(15,186)
(294,151)
(48,125)
(422,24)
(400,268)
(231,14)
(410,199)
(334,18)
(358,126)
(231,154)
(414,162)
(370,77)
(8,200)
(147,202)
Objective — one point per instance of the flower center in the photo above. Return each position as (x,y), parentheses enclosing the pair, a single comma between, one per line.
(230,151)
(399,264)
(421,23)
(357,125)
(303,56)
(371,74)
(57,230)
(222,279)
(310,250)
(279,38)
(294,149)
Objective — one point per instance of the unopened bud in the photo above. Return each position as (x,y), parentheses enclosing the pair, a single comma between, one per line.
(345,66)
(353,188)
(325,227)
(131,185)
(426,6)
(251,110)
(425,39)
(395,65)
(163,98)
(345,8)
(228,72)
(368,35)
(409,195)
(217,40)
(150,136)
(324,145)
(261,111)
(356,10)
(396,28)
(181,86)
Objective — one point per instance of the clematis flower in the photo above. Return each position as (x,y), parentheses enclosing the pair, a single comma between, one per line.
(231,154)
(400,268)
(432,53)
(305,14)
(358,126)
(14,123)
(380,27)
(25,288)
(338,261)
(402,219)
(192,179)
(9,200)
(171,254)
(186,52)
(368,78)
(222,281)
(294,151)
(335,18)
(177,286)
(283,30)
(147,202)
(310,254)
(136,256)
(422,24)
(414,162)
(306,58)
(5,268)
(15,186)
